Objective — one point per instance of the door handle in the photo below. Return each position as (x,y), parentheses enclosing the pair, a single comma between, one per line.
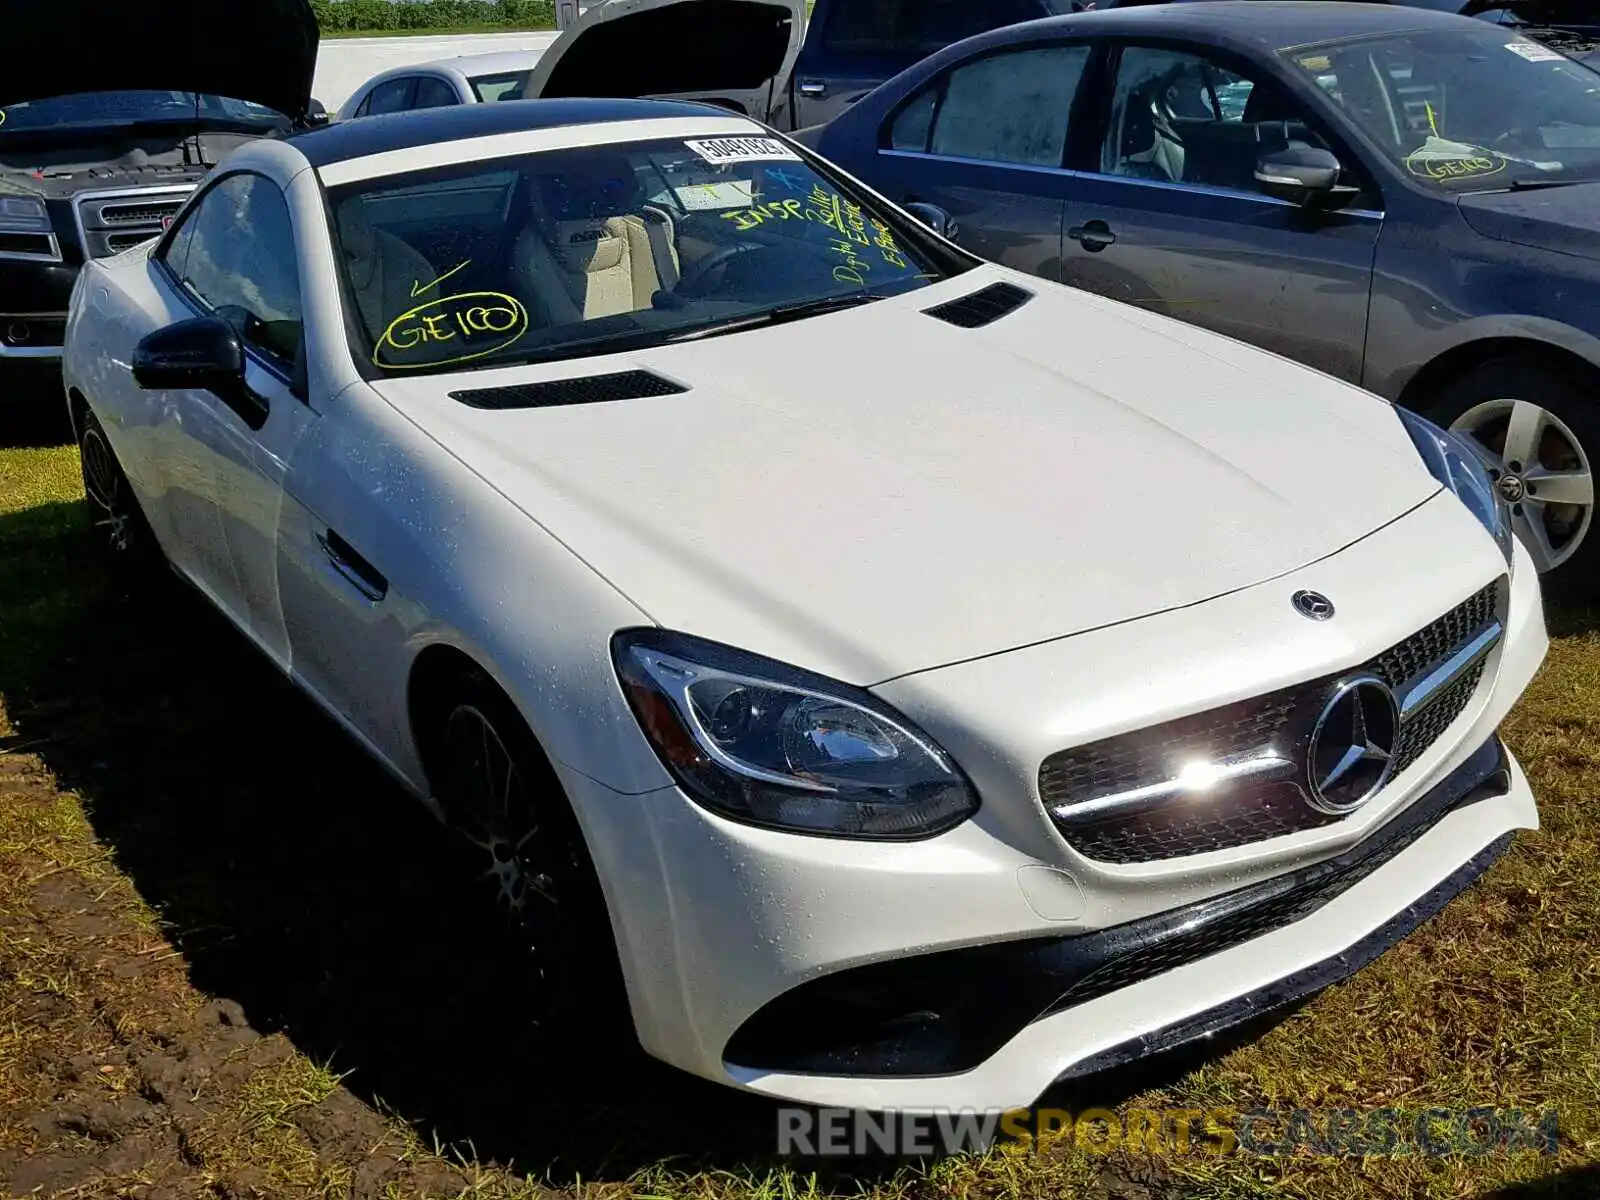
(1093,236)
(355,570)
(813,87)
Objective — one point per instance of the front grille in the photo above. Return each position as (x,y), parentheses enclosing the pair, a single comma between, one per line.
(111,222)
(1251,811)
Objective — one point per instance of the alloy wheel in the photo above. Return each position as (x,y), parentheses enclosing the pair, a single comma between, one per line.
(106,490)
(1542,472)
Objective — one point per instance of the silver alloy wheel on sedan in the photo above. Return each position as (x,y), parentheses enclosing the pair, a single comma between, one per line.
(1542,472)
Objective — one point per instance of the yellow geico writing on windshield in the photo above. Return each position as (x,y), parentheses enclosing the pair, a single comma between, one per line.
(1470,167)
(479,323)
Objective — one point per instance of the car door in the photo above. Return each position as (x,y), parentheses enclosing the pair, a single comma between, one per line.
(241,266)
(1166,214)
(985,143)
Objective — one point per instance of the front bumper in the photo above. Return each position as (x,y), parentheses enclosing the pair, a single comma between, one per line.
(727,933)
(34,296)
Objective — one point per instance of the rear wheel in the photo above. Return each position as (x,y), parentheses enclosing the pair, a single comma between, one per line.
(534,869)
(1541,430)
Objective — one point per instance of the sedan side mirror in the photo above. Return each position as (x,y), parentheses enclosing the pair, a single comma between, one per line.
(1307,176)
(203,354)
(935,218)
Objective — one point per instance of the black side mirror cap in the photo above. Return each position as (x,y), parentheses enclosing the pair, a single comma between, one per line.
(202,354)
(1307,176)
(935,218)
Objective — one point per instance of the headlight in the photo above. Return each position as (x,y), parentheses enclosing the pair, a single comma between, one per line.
(23,214)
(766,744)
(1458,463)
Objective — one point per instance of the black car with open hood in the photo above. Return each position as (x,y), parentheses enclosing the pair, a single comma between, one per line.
(109,117)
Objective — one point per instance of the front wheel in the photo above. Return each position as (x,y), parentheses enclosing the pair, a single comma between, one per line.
(1541,431)
(500,792)
(117,522)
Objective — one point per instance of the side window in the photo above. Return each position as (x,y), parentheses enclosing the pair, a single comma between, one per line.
(913,126)
(1178,117)
(394,96)
(241,262)
(366,105)
(176,252)
(434,93)
(1007,108)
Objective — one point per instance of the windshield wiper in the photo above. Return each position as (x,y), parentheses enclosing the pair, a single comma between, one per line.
(778,316)
(1537,185)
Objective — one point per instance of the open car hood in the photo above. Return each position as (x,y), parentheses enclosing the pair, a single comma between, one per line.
(262,51)
(733,52)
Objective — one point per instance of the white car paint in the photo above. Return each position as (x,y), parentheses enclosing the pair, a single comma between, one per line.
(456,73)
(345,64)
(1079,521)
(594,21)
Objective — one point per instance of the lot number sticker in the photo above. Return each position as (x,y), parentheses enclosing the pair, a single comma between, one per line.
(1534,52)
(720,152)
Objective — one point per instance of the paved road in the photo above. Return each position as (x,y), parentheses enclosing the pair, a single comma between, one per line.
(344,64)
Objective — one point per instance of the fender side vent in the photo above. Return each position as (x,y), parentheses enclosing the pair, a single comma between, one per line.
(558,393)
(983,307)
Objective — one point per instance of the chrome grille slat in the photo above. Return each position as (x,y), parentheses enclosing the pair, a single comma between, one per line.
(1252,810)
(113,221)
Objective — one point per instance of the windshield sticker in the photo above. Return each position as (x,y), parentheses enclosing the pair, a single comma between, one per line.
(418,287)
(1534,52)
(722,151)
(1316,62)
(477,324)
(698,197)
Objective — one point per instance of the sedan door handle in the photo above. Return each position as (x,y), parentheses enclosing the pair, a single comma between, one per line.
(813,87)
(1093,236)
(355,570)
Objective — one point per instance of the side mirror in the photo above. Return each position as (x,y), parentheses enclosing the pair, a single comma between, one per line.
(317,114)
(935,218)
(1307,176)
(202,354)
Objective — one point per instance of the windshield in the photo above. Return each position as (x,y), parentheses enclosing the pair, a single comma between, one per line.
(1465,110)
(562,254)
(98,109)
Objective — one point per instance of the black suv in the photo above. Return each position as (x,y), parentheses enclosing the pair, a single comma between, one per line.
(94,160)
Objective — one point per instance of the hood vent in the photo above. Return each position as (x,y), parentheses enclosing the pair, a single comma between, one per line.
(558,393)
(983,307)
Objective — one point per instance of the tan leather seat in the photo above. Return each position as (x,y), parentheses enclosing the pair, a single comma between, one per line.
(592,248)
(383,270)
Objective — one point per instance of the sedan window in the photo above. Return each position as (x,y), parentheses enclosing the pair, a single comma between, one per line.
(1007,108)
(1180,117)
(492,88)
(235,252)
(562,254)
(1464,110)
(394,96)
(434,93)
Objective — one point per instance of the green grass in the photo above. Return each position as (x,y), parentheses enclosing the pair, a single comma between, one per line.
(1494,1002)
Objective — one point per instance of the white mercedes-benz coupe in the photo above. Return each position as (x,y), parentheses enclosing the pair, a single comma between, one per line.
(911,681)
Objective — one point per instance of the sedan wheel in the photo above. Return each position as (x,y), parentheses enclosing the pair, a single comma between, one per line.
(118,522)
(1542,472)
(533,866)
(1540,430)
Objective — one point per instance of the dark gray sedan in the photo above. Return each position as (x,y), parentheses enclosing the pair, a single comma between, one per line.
(1404,199)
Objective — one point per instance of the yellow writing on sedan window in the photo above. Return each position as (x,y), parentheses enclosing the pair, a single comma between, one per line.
(838,214)
(746,219)
(477,324)
(1473,166)
(418,287)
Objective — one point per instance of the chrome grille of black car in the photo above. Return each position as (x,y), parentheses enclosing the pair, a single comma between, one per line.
(111,222)
(1252,810)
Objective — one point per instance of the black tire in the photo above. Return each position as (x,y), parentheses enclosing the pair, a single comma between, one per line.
(117,523)
(499,791)
(1565,443)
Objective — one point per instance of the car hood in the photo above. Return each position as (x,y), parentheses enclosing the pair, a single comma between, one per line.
(735,51)
(263,51)
(1563,219)
(875,492)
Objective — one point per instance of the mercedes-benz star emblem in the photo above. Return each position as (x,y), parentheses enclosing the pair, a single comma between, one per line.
(1351,753)
(1312,604)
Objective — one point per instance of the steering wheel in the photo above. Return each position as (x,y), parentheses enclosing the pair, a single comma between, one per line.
(691,284)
